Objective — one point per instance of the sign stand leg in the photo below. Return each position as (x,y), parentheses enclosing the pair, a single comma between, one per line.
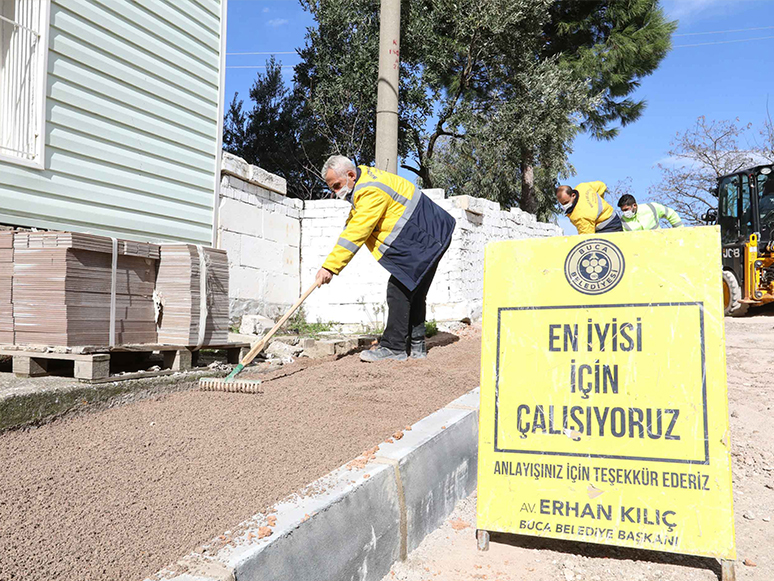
(483,541)
(727,570)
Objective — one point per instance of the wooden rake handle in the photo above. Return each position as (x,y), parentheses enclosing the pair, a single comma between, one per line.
(258,347)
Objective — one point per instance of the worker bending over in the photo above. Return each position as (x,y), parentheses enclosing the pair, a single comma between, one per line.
(587,209)
(646,217)
(405,231)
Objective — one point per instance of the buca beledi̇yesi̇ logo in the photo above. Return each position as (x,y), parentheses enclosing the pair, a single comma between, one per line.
(594,266)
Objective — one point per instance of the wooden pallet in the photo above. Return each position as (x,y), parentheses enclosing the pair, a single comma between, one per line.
(92,364)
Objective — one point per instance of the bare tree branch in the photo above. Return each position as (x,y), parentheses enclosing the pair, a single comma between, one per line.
(697,158)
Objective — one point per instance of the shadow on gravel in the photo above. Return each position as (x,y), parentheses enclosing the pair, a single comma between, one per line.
(607,552)
(762,311)
(441,340)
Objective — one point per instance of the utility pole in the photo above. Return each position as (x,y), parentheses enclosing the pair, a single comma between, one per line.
(387,89)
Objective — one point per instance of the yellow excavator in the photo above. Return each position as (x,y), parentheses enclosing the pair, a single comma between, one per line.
(746,217)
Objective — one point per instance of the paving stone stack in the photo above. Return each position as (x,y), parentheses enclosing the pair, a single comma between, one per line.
(188,301)
(62,289)
(6,286)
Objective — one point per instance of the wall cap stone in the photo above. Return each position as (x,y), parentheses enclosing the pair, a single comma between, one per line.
(238,167)
(435,194)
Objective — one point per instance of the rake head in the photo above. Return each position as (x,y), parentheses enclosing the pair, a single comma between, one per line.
(232,386)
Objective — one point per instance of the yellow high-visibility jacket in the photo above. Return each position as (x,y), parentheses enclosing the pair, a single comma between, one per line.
(591,211)
(648,217)
(404,229)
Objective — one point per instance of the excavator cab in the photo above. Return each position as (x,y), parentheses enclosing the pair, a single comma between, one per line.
(746,218)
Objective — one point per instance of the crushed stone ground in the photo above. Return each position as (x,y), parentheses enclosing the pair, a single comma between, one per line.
(121,492)
(450,553)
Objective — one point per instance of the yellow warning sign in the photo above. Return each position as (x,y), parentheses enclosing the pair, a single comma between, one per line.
(604,412)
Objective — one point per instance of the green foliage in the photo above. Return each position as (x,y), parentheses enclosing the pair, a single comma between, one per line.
(492,92)
(610,45)
(567,68)
(431,328)
(277,133)
(339,71)
(298,324)
(507,133)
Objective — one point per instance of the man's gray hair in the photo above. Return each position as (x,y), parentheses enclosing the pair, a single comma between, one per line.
(339,164)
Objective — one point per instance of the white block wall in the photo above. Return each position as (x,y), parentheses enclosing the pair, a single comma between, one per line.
(357,296)
(261,230)
(276,245)
(458,288)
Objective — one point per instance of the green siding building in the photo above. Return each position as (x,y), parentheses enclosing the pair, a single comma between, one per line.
(111,116)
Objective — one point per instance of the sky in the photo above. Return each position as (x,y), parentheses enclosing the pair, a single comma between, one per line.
(721,66)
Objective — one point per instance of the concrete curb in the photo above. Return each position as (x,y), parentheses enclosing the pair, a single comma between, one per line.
(25,406)
(355,522)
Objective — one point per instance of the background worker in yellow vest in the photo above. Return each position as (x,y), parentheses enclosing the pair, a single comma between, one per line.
(646,217)
(587,209)
(405,231)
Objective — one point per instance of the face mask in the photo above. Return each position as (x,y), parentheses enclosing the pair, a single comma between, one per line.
(566,206)
(628,214)
(343,192)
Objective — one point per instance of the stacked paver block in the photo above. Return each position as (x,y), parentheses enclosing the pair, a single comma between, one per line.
(55,290)
(62,285)
(6,286)
(186,301)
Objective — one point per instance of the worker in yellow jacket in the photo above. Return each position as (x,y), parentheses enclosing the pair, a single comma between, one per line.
(587,209)
(405,231)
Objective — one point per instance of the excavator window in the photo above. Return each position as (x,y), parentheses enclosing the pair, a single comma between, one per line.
(728,194)
(766,203)
(746,224)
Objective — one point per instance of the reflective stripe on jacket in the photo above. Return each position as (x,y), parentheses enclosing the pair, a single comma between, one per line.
(404,229)
(648,217)
(591,211)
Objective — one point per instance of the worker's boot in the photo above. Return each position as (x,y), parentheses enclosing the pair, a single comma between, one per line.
(418,347)
(381,354)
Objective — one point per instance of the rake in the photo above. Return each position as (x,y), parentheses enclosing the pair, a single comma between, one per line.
(230,384)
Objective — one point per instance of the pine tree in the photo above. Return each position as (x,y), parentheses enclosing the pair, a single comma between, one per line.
(276,134)
(492,92)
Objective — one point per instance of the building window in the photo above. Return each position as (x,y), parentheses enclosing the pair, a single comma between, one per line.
(23,51)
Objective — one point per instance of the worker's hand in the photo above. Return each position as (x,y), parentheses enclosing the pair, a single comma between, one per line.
(324,276)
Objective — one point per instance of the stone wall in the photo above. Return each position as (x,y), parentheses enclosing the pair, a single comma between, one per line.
(357,296)
(276,245)
(260,228)
(458,289)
